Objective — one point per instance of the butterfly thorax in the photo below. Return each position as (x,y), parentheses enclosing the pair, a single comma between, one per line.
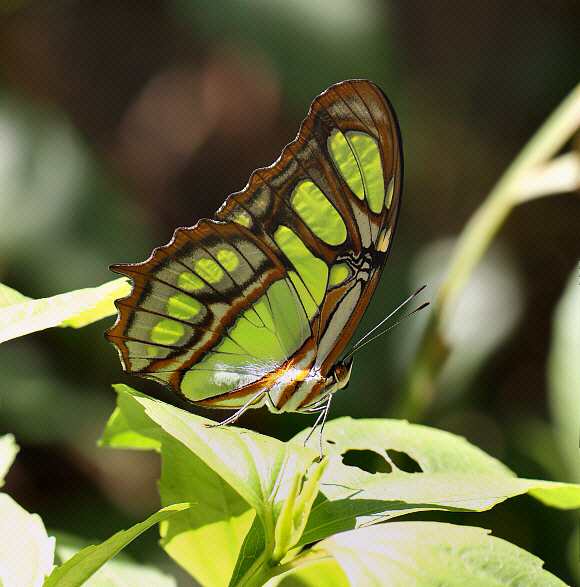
(298,390)
(299,385)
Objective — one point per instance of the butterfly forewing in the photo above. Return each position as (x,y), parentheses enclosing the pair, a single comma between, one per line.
(278,283)
(346,156)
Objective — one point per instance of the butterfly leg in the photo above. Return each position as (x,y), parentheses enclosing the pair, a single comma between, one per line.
(320,420)
(231,419)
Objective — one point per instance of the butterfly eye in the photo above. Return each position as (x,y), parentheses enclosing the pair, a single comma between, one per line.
(341,374)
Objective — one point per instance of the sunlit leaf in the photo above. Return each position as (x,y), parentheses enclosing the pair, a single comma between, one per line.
(85,563)
(429,553)
(8,451)
(451,475)
(76,308)
(323,573)
(10,297)
(26,551)
(233,475)
(120,571)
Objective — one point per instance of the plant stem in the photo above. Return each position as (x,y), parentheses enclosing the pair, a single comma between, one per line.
(474,240)
(486,221)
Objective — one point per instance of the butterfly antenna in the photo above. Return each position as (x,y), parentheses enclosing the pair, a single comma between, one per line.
(363,341)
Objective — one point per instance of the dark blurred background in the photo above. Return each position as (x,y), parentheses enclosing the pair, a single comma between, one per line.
(120,121)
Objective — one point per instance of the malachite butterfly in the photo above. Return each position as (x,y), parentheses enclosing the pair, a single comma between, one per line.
(256,306)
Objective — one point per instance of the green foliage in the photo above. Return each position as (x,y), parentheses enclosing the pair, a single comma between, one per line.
(118,572)
(450,555)
(255,497)
(268,512)
(81,566)
(20,315)
(26,551)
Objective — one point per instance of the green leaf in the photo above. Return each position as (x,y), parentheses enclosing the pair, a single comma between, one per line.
(118,572)
(233,474)
(259,468)
(295,510)
(250,552)
(10,297)
(20,315)
(84,564)
(431,553)
(26,551)
(206,540)
(129,426)
(454,475)
(8,451)
(252,496)
(325,572)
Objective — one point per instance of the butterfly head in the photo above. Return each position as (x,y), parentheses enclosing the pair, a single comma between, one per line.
(341,374)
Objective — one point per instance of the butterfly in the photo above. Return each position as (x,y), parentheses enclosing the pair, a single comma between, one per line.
(257,306)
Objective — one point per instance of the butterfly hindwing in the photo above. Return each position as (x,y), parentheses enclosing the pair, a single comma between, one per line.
(171,326)
(285,272)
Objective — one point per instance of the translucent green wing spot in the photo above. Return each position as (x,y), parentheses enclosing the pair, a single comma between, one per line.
(339,273)
(359,160)
(318,213)
(256,305)
(312,270)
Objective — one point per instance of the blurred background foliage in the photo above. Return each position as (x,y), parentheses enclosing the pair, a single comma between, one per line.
(120,121)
